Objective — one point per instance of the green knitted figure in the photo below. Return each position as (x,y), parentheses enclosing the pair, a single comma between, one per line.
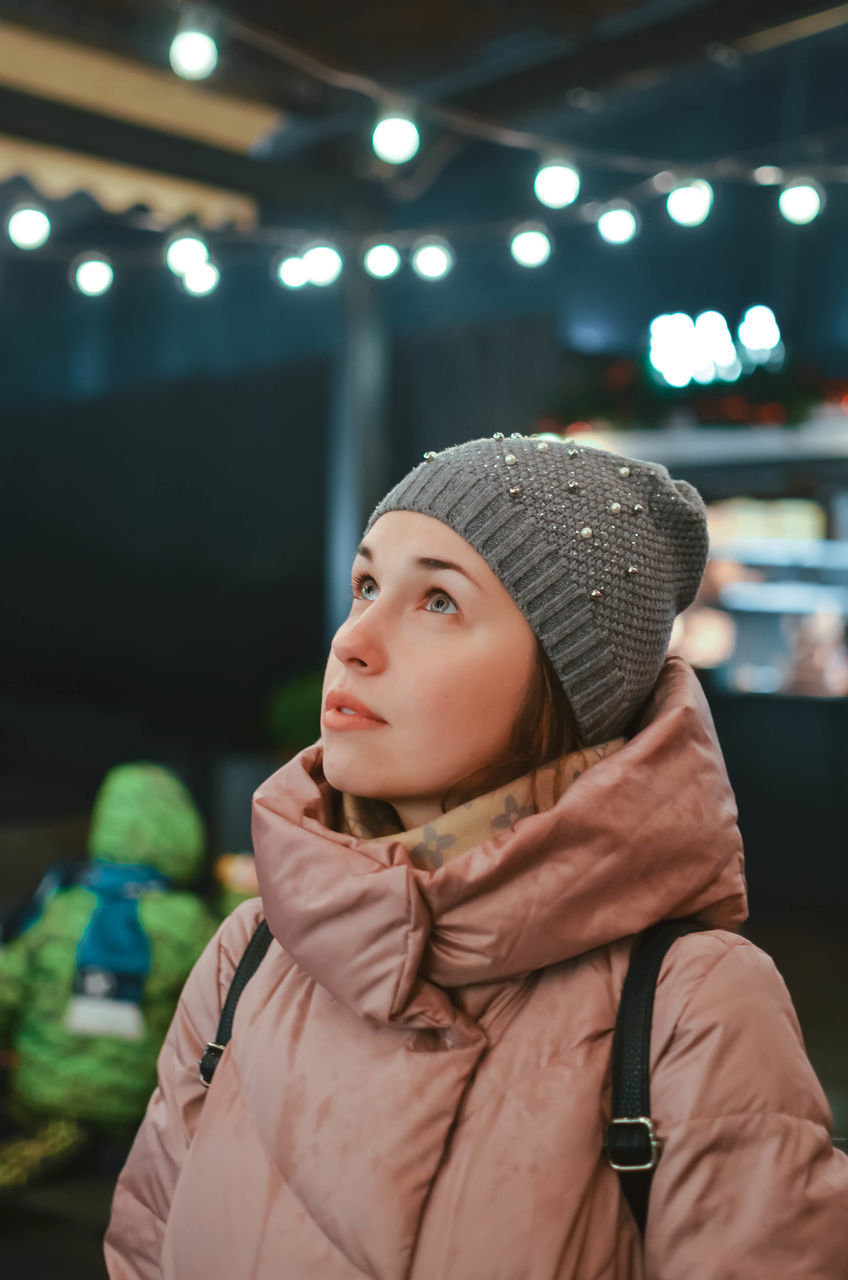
(88,986)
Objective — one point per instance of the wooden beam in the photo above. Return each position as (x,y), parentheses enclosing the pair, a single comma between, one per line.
(63,71)
(646,51)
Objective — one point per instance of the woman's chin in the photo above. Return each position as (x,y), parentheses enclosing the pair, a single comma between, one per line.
(345,772)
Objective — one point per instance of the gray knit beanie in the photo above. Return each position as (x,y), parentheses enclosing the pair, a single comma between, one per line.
(599,552)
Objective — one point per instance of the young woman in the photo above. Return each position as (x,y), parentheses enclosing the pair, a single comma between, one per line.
(512,781)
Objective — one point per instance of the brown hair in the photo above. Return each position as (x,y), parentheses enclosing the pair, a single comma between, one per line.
(544,729)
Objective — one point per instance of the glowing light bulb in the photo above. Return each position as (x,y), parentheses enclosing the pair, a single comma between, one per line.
(184,253)
(28,228)
(802,201)
(432,259)
(689,203)
(93,275)
(193,55)
(292,273)
(323,264)
(395,139)
(530,247)
(201,279)
(557,184)
(618,225)
(381,260)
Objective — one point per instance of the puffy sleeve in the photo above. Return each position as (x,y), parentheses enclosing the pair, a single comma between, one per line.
(749,1185)
(140,1207)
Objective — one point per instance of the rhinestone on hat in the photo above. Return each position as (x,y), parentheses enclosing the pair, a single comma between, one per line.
(515,490)
(516,435)
(542,446)
(632,571)
(585,532)
(499,435)
(597,593)
(510,459)
(573,486)
(429,455)
(638,509)
(574,453)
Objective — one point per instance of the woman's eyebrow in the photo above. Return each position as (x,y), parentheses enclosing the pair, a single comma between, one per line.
(423,562)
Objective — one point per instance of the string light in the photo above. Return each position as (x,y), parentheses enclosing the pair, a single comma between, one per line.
(618,224)
(530,246)
(292,272)
(184,252)
(381,260)
(801,201)
(395,139)
(557,184)
(689,203)
(323,264)
(92,275)
(28,228)
(432,258)
(201,278)
(194,54)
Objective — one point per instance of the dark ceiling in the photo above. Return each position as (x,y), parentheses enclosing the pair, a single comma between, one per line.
(563,65)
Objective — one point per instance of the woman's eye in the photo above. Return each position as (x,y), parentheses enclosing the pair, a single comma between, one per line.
(442,596)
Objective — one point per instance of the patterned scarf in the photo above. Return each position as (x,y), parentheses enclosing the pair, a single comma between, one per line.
(451,834)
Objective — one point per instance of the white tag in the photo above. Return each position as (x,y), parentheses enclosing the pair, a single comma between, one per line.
(94,1016)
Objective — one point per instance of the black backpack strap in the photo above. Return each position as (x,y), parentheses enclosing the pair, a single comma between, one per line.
(247,966)
(631,1144)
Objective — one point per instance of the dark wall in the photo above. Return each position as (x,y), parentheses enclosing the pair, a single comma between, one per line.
(786,760)
(168,544)
(168,565)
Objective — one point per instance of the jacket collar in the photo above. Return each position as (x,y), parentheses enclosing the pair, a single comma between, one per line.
(647,833)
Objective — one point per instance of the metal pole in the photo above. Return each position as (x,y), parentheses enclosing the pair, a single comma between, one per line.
(358,447)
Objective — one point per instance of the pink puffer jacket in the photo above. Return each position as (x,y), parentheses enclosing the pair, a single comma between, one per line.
(419,1076)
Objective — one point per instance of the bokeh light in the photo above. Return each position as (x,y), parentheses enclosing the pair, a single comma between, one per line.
(381,260)
(193,55)
(557,184)
(395,139)
(28,228)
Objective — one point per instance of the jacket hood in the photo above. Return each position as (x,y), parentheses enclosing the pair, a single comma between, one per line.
(144,815)
(647,833)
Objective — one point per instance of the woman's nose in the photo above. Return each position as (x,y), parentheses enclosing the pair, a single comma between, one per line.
(357,643)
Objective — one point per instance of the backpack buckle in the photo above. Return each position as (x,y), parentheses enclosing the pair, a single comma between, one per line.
(209,1062)
(626,1155)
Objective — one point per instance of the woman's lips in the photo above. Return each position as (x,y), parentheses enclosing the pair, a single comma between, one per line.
(340,720)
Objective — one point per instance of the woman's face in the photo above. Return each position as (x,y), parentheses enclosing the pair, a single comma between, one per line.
(443,656)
